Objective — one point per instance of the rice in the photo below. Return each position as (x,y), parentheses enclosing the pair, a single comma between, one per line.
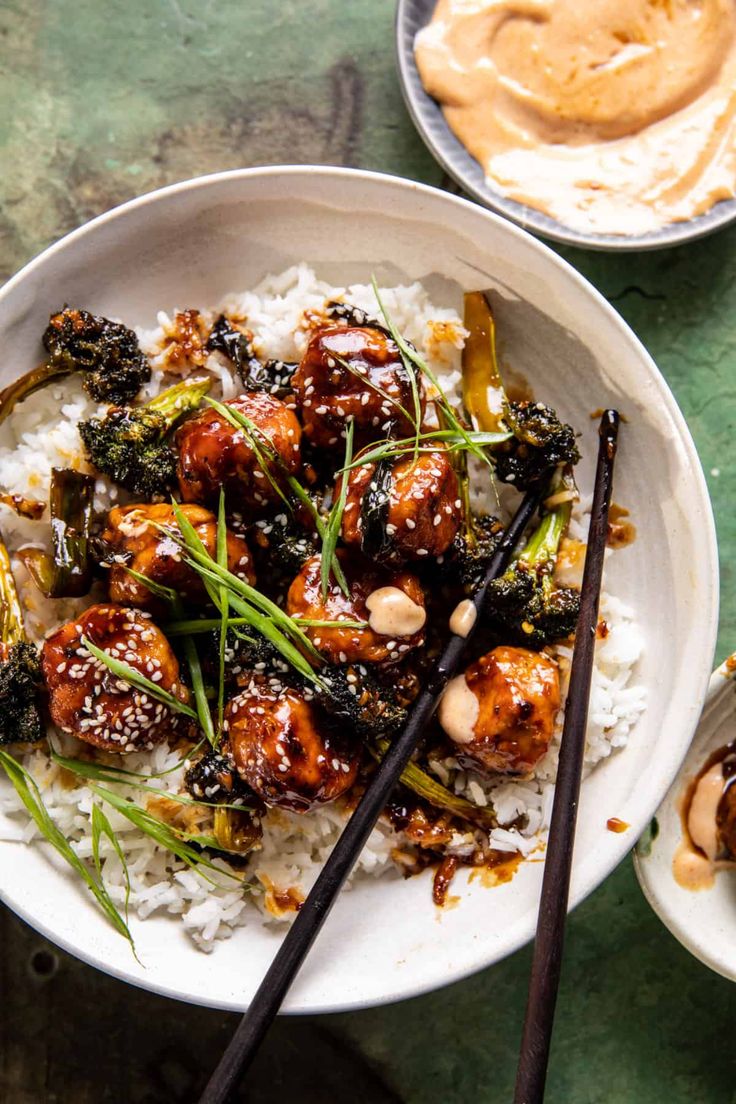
(42,434)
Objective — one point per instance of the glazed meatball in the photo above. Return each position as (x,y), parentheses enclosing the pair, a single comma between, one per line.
(501,712)
(133,537)
(212,453)
(284,751)
(399,596)
(89,701)
(328,393)
(403,509)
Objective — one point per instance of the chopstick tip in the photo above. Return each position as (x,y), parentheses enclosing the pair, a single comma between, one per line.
(608,430)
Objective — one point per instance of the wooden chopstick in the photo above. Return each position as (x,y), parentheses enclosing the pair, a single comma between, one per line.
(298,940)
(547,960)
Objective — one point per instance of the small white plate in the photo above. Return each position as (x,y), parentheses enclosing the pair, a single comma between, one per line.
(188,245)
(704,921)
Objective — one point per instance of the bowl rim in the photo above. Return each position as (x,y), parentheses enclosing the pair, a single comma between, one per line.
(709,621)
(460,165)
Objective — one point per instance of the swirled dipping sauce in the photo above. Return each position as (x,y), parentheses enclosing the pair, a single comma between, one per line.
(613,116)
(393,613)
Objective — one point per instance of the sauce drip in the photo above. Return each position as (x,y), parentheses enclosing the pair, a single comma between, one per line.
(615,117)
(620,531)
(458,711)
(463,618)
(701,817)
(613,824)
(393,613)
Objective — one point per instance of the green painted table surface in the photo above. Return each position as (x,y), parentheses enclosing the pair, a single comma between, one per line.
(103,102)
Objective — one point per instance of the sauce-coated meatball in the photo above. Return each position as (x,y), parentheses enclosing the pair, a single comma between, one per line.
(132,534)
(89,701)
(501,712)
(214,454)
(328,394)
(284,751)
(353,645)
(404,509)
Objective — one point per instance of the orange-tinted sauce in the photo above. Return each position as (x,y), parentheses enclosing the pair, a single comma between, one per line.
(620,531)
(692,868)
(613,116)
(498,869)
(613,824)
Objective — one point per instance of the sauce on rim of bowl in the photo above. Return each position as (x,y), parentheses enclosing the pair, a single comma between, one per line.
(708,812)
(617,117)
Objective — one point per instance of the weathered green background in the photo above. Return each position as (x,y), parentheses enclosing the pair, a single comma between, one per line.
(101,102)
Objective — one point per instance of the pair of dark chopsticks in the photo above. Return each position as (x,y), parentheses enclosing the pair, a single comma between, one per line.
(546,969)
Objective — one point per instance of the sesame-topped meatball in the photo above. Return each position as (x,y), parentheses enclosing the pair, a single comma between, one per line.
(134,538)
(500,714)
(359,645)
(89,701)
(214,454)
(284,750)
(353,372)
(403,509)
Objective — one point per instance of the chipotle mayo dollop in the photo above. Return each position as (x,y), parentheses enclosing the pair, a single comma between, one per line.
(612,116)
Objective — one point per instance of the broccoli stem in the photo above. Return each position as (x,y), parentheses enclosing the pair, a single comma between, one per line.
(175,401)
(11,614)
(544,543)
(541,549)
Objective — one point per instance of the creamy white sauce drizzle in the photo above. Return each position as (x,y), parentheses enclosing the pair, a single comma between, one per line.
(394,613)
(458,711)
(463,618)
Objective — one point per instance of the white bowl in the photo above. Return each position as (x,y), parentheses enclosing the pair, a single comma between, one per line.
(188,245)
(704,921)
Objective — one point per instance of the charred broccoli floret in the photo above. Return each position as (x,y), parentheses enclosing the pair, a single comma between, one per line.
(525,605)
(107,353)
(130,444)
(285,546)
(471,552)
(213,777)
(20,667)
(20,680)
(273,376)
(539,441)
(352,695)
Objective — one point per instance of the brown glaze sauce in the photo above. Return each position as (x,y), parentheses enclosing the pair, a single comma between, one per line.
(428,832)
(620,531)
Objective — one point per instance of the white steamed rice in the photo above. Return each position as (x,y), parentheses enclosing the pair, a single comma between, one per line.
(42,434)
